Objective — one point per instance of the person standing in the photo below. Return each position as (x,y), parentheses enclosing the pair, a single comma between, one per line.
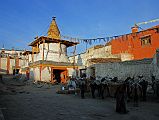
(144,85)
(121,99)
(1,79)
(82,87)
(135,95)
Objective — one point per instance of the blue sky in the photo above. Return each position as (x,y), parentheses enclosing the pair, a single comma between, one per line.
(22,20)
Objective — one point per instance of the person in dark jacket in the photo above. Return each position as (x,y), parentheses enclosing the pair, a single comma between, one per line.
(144,85)
(82,87)
(136,92)
(121,99)
(1,80)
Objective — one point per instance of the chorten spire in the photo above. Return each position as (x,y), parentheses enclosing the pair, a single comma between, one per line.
(53,31)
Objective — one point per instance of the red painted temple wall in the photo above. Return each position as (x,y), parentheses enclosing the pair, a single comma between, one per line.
(131,43)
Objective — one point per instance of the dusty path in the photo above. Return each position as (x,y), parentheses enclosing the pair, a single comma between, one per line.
(32,103)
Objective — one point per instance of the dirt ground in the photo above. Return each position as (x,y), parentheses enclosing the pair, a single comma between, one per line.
(32,102)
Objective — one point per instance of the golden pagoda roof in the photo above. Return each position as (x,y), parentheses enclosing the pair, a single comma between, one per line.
(53,31)
(52,37)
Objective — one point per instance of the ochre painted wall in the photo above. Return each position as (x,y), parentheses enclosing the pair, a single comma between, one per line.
(131,43)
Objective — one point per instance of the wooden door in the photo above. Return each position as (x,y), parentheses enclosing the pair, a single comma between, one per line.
(63,76)
(52,76)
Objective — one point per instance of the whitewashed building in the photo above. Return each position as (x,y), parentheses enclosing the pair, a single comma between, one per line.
(49,61)
(11,61)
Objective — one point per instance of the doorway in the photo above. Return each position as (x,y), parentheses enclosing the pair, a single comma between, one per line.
(82,72)
(59,75)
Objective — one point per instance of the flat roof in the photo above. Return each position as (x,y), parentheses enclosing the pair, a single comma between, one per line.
(51,40)
(104,60)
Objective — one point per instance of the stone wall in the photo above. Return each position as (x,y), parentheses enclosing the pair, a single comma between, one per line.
(123,69)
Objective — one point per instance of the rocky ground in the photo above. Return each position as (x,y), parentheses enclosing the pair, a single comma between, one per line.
(19,101)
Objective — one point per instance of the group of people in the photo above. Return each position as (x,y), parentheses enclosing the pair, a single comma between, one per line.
(124,92)
(73,83)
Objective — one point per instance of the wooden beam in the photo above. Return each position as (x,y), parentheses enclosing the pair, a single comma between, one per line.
(17,62)
(43,50)
(52,75)
(40,72)
(50,65)
(8,64)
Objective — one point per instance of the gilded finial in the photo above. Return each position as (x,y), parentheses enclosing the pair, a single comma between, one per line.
(53,17)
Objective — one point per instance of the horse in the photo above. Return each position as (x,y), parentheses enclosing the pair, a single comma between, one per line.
(95,85)
(105,86)
(101,85)
(128,81)
(136,91)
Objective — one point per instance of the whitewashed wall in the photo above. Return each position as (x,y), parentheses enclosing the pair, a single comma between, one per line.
(12,51)
(82,59)
(52,52)
(36,72)
(46,74)
(12,63)
(103,52)
(126,56)
(3,65)
(30,58)
(31,74)
(22,63)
